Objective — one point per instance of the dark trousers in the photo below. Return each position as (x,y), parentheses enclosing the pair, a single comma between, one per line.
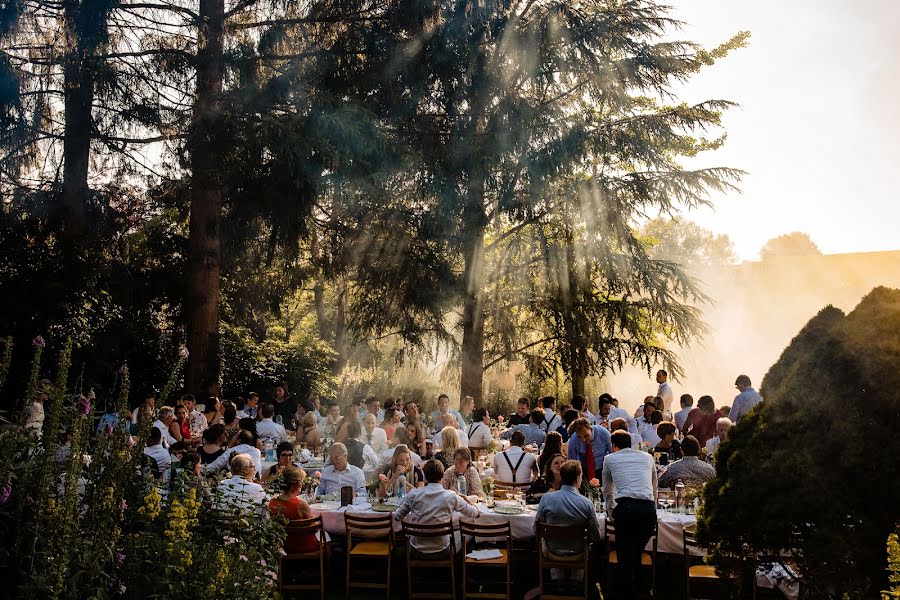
(635,521)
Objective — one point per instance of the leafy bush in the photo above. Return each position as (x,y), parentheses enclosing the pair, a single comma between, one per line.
(810,473)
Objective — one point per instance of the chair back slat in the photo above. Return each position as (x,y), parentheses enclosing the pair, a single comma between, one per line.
(563,533)
(484,531)
(304,526)
(365,525)
(427,529)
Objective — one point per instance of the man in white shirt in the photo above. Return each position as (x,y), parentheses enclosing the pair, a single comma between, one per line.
(617,413)
(687,405)
(629,484)
(644,423)
(603,417)
(166,416)
(712,444)
(340,473)
(360,454)
(240,492)
(437,417)
(267,429)
(433,504)
(372,435)
(244,446)
(450,421)
(664,390)
(551,419)
(746,400)
(479,432)
(198,420)
(515,465)
(154,450)
(148,405)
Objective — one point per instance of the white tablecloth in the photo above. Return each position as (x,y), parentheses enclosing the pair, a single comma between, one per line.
(671,526)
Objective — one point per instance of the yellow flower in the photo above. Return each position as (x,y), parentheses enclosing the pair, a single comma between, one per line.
(152,506)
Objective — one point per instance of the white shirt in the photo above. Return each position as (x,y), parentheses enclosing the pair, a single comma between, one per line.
(527,466)
(240,493)
(629,473)
(430,505)
(743,402)
(618,413)
(665,392)
(267,429)
(651,437)
(198,420)
(644,426)
(681,416)
(712,444)
(479,435)
(463,439)
(333,480)
(551,420)
(377,439)
(160,455)
(389,453)
(167,439)
(223,461)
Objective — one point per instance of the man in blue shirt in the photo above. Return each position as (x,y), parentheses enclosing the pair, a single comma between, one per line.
(746,400)
(589,445)
(532,431)
(437,417)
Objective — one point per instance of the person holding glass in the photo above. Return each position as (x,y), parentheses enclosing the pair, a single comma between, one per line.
(400,465)
(462,466)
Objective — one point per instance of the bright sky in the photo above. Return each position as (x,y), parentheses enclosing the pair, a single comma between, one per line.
(818,129)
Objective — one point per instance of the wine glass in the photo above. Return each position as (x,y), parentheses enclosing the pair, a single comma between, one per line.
(517,495)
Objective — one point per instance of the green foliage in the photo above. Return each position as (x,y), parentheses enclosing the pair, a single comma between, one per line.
(686,243)
(893,552)
(808,474)
(797,243)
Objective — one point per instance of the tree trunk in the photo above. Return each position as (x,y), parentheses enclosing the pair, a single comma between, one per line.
(472,352)
(319,287)
(574,358)
(202,297)
(78,99)
(340,330)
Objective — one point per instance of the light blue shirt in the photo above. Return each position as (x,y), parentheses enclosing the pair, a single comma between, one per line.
(533,433)
(429,505)
(567,507)
(438,423)
(743,402)
(333,480)
(629,473)
(601,443)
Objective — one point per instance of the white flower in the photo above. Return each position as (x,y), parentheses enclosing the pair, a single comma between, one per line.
(183,352)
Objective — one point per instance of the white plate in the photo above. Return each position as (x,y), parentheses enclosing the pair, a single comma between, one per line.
(508,510)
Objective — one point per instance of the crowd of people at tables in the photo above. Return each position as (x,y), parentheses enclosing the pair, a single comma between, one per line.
(560,451)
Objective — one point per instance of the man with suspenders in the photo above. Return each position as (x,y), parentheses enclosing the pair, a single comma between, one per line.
(551,419)
(515,465)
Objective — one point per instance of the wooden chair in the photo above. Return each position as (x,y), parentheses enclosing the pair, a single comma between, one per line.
(575,536)
(286,583)
(692,553)
(369,537)
(414,559)
(648,559)
(499,534)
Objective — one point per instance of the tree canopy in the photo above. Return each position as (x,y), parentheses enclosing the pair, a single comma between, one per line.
(797,243)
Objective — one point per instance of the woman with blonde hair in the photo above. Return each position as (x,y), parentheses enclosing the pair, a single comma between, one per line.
(308,432)
(291,506)
(401,464)
(351,414)
(449,445)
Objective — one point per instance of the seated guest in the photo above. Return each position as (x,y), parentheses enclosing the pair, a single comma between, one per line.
(629,485)
(589,445)
(251,407)
(411,435)
(351,414)
(244,446)
(462,465)
(410,411)
(213,411)
(373,407)
(163,423)
(690,469)
(667,443)
(466,407)
(267,429)
(448,441)
(650,436)
(723,425)
(340,472)
(701,422)
(372,435)
(285,454)
(308,430)
(553,445)
(358,453)
(213,442)
(515,465)
(289,505)
(240,492)
(644,422)
(154,450)
(437,417)
(532,431)
(430,505)
(568,507)
(462,437)
(549,481)
(687,405)
(390,423)
(249,425)
(332,421)
(551,420)
(579,405)
(520,417)
(628,426)
(604,412)
(479,432)
(401,464)
(726,411)
(146,410)
(388,454)
(180,428)
(569,417)
(230,422)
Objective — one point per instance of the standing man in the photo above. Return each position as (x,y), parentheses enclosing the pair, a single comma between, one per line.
(589,445)
(629,484)
(745,400)
(437,417)
(664,391)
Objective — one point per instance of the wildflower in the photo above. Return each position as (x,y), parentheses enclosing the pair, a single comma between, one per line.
(282,552)
(500,418)
(318,474)
(382,477)
(29,501)
(121,588)
(183,353)
(594,482)
(83,405)
(6,492)
(272,574)
(262,562)
(229,540)
(120,559)
(243,558)
(38,342)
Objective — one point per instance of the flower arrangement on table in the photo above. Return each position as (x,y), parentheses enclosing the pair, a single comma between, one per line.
(487,485)
(492,447)
(311,483)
